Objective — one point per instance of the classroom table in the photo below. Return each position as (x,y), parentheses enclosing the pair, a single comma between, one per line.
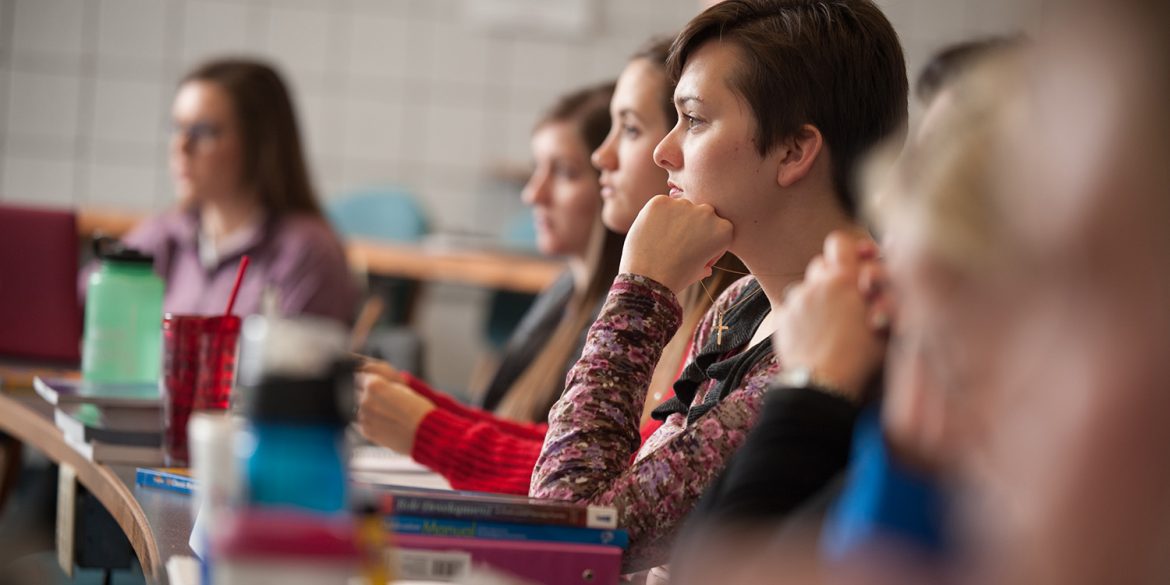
(157,523)
(488,268)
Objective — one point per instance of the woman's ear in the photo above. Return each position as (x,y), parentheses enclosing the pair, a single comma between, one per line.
(798,154)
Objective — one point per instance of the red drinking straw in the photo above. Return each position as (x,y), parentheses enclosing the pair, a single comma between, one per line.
(219,334)
(236,287)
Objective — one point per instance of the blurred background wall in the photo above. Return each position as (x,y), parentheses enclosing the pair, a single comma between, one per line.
(423,94)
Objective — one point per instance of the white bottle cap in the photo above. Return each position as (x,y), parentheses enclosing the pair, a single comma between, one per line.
(301,347)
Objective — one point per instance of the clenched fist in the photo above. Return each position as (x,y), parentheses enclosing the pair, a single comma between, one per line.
(826,323)
(675,242)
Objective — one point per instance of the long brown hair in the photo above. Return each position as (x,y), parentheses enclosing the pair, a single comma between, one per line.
(696,299)
(656,52)
(274,163)
(534,392)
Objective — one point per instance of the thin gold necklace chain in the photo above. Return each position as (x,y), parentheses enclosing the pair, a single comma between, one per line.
(718,326)
(729,271)
(736,303)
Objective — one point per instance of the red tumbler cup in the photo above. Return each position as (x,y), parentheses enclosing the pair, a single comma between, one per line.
(199,365)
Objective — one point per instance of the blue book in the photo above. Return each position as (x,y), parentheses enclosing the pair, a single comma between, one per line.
(174,479)
(451,527)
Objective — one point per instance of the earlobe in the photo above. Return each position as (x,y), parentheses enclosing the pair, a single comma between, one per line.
(799,153)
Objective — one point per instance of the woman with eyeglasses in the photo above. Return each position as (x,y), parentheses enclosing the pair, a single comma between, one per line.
(243,188)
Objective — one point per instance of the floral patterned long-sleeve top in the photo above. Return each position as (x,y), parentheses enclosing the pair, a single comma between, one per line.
(593,429)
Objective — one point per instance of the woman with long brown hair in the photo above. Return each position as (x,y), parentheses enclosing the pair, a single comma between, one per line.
(564,194)
(475,450)
(244,189)
(747,174)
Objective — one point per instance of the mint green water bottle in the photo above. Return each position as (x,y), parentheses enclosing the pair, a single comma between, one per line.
(122,343)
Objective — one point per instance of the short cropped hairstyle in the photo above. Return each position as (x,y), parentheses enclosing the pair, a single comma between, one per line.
(834,64)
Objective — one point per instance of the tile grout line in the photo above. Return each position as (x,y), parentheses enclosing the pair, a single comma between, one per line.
(174,17)
(86,103)
(337,78)
(7,15)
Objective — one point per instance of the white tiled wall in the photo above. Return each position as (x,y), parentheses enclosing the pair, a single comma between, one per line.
(43,106)
(388,91)
(49,26)
(132,30)
(400,91)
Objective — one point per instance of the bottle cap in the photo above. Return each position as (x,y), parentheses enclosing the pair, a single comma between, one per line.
(303,347)
(295,371)
(109,249)
(318,401)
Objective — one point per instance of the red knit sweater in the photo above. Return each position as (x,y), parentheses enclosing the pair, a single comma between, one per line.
(477,451)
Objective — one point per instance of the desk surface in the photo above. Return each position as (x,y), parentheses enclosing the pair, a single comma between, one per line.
(485,268)
(15,375)
(157,523)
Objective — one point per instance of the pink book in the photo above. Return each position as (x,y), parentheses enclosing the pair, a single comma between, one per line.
(550,563)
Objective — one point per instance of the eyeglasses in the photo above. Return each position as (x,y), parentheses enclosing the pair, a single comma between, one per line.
(198,134)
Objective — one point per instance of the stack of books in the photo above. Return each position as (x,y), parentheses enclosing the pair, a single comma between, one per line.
(171,479)
(120,424)
(443,535)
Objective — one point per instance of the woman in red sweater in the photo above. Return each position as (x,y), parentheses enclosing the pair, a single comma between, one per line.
(477,450)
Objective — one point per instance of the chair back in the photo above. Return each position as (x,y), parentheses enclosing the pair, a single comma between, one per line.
(378,213)
(40,310)
(388,214)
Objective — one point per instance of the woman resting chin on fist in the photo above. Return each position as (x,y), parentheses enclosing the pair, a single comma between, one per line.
(675,242)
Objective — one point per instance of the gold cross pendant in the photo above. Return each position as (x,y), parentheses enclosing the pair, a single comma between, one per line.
(719,329)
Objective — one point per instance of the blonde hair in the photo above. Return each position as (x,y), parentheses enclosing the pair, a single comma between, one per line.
(942,186)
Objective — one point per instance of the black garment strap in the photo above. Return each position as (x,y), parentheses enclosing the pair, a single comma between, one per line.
(712,361)
(536,327)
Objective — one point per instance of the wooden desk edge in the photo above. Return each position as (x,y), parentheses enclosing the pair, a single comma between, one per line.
(115,224)
(499,270)
(34,429)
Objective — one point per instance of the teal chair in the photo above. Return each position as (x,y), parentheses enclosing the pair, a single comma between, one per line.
(388,214)
(520,233)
